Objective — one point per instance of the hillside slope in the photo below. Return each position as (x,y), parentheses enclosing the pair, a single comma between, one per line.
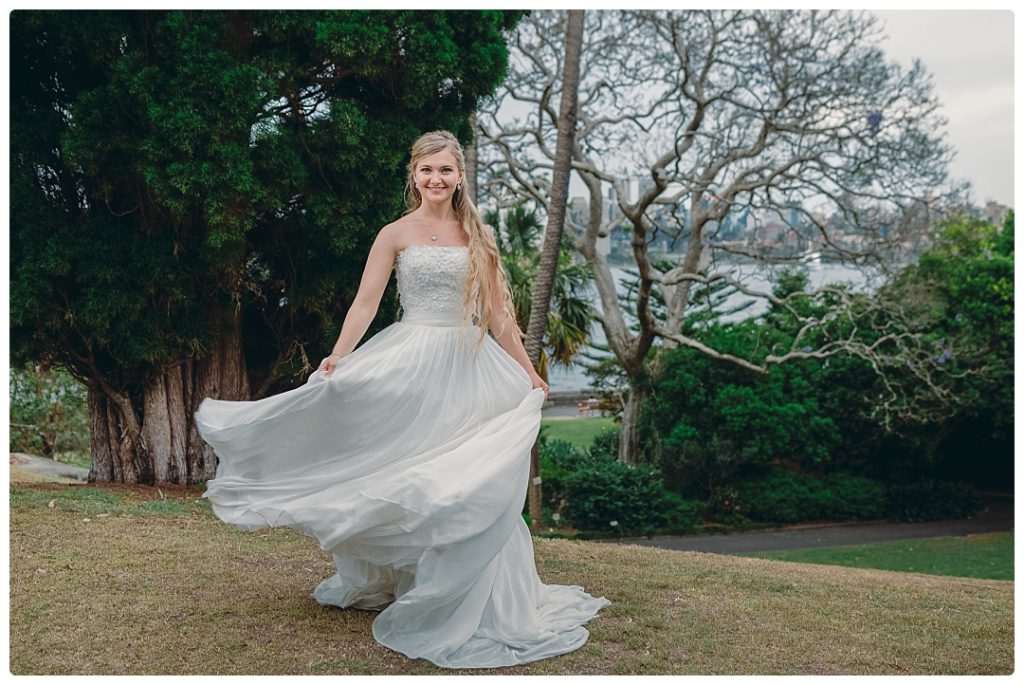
(123,581)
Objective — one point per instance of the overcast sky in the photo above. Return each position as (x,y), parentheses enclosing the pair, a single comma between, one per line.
(970,55)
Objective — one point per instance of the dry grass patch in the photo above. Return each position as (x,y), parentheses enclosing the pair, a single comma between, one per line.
(159,586)
(20,474)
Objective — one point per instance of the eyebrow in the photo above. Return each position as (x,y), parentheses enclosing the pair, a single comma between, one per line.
(443,166)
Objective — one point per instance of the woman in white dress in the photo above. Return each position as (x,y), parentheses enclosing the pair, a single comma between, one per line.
(408,458)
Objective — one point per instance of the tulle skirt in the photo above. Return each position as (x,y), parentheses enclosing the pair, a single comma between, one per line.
(410,465)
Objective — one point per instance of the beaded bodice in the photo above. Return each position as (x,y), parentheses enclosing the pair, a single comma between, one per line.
(431,279)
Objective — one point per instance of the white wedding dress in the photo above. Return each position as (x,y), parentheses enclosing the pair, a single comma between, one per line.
(410,464)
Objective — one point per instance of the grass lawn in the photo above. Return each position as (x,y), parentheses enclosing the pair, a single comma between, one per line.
(988,555)
(132,580)
(579,431)
(80,459)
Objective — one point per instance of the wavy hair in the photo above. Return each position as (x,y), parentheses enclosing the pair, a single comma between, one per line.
(484,257)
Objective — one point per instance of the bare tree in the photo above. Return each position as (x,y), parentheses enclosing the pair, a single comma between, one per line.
(793,120)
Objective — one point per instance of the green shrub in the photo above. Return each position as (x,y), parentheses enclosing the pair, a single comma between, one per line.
(786,497)
(930,500)
(49,414)
(781,497)
(605,495)
(561,455)
(683,514)
(609,495)
(591,489)
(727,506)
(852,497)
(558,458)
(606,444)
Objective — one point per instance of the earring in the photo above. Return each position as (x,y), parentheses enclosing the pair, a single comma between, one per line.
(458,186)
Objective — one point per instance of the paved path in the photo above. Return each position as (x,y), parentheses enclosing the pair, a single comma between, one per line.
(561,411)
(47,467)
(997,516)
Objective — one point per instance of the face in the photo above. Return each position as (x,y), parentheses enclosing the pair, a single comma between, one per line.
(436,176)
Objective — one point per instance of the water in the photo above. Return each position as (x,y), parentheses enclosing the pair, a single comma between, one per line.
(754,276)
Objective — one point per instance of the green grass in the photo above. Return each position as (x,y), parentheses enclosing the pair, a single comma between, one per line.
(580,432)
(81,459)
(989,555)
(119,580)
(93,501)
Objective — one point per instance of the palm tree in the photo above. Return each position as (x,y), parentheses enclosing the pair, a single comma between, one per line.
(570,313)
(551,253)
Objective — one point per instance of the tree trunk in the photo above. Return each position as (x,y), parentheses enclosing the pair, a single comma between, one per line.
(629,438)
(556,225)
(536,492)
(166,447)
(117,454)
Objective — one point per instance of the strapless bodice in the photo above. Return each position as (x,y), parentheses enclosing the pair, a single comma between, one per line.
(431,282)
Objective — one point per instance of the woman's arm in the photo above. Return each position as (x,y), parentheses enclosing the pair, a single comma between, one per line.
(376,274)
(510,340)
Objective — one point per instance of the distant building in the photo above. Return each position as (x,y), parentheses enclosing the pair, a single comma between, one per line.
(995,213)
(579,212)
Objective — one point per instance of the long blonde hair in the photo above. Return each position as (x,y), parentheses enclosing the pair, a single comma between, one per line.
(484,257)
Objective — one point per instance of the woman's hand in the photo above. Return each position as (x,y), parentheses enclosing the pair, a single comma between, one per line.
(538,382)
(328,364)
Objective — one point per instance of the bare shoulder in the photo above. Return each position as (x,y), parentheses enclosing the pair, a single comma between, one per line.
(397,233)
(390,234)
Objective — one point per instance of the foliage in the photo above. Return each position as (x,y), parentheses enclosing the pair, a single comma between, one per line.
(724,506)
(48,413)
(612,496)
(569,317)
(780,496)
(709,421)
(605,444)
(960,295)
(593,491)
(930,500)
(558,459)
(956,424)
(961,290)
(852,497)
(170,168)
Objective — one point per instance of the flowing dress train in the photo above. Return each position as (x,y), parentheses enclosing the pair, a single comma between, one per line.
(410,465)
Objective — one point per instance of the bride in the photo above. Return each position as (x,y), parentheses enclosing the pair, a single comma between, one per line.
(408,458)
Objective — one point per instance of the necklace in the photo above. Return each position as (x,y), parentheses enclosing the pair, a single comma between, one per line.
(433,236)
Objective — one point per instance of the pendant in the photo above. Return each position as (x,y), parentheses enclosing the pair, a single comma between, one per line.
(433,237)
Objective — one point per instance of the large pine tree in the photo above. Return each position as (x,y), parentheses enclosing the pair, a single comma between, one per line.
(193,194)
